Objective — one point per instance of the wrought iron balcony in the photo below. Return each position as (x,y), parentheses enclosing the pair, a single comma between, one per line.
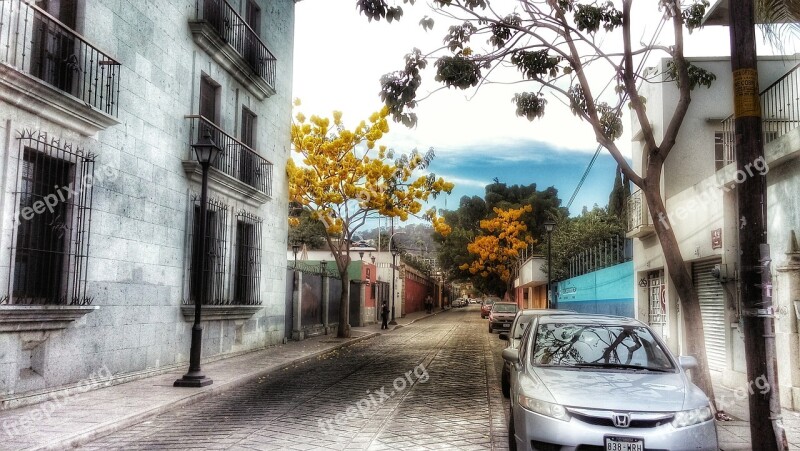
(639,222)
(231,29)
(237,159)
(35,43)
(780,113)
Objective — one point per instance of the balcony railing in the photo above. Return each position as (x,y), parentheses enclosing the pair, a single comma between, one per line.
(237,159)
(780,113)
(234,30)
(639,223)
(34,42)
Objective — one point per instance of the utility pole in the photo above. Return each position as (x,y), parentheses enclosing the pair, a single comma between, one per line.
(766,425)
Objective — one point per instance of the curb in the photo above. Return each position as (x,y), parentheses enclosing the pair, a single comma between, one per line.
(104,429)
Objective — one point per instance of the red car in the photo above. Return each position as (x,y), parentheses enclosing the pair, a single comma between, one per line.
(486,305)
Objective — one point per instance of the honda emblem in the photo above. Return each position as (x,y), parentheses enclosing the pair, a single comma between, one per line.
(622,420)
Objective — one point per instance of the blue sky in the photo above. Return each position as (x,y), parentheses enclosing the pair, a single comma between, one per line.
(340,57)
(544,166)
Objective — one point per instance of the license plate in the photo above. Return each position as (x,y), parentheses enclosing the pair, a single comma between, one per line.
(506,325)
(624,444)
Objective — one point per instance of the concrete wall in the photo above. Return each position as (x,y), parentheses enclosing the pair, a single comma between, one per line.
(138,243)
(605,291)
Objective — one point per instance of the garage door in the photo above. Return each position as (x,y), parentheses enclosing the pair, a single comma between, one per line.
(712,308)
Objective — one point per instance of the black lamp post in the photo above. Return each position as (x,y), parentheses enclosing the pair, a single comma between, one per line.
(295,249)
(373,260)
(206,151)
(361,255)
(549,225)
(394,251)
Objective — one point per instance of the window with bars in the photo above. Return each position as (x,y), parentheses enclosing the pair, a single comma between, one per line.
(207,275)
(657,296)
(49,254)
(247,270)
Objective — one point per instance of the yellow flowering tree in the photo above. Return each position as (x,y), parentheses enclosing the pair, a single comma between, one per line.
(344,176)
(498,247)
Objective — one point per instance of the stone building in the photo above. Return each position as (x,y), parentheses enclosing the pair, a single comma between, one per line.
(100,103)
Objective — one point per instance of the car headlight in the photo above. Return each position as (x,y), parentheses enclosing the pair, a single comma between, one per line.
(545,408)
(686,418)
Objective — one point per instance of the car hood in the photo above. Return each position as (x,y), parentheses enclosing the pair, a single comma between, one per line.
(619,390)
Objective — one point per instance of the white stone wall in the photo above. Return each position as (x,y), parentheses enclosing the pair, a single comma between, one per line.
(138,245)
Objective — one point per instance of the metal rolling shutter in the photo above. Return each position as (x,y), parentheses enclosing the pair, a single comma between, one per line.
(712,308)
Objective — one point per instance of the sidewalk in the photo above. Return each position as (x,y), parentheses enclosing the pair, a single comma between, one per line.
(69,421)
(735,434)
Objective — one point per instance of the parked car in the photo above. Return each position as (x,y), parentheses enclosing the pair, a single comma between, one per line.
(502,315)
(603,382)
(486,305)
(514,336)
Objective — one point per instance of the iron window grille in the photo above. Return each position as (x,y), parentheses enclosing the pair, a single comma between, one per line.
(34,42)
(50,239)
(212,279)
(247,269)
(237,159)
(237,32)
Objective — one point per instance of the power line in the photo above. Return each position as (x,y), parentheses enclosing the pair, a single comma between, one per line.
(659,29)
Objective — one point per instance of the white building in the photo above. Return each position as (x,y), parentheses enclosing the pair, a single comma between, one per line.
(699,187)
(95,272)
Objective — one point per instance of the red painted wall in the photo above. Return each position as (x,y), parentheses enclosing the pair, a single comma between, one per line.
(368,274)
(415,293)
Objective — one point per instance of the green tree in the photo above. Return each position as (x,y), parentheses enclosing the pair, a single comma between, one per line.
(555,46)
(572,236)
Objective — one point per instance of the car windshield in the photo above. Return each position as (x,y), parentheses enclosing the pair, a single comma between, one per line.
(488,301)
(505,308)
(598,346)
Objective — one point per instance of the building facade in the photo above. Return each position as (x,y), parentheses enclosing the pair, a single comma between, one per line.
(101,102)
(699,188)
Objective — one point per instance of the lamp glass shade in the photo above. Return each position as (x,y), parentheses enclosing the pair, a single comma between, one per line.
(395,251)
(549,225)
(206,149)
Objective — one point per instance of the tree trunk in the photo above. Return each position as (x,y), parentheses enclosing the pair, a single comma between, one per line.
(682,282)
(343,330)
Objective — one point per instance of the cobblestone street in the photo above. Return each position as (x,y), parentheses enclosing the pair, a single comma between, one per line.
(434,384)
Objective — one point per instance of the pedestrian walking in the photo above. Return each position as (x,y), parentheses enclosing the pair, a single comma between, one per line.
(429,304)
(384,316)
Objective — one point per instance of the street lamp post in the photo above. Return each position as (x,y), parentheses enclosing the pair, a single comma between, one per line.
(206,151)
(394,251)
(295,249)
(549,225)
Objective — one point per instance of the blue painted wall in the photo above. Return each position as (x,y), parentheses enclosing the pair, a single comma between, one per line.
(607,291)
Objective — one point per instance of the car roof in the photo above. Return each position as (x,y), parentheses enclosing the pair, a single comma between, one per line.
(544,311)
(589,318)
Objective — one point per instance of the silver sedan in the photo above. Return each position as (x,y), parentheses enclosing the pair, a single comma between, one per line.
(603,382)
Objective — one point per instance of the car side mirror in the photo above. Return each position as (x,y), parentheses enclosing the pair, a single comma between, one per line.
(511,355)
(687,362)
(504,336)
